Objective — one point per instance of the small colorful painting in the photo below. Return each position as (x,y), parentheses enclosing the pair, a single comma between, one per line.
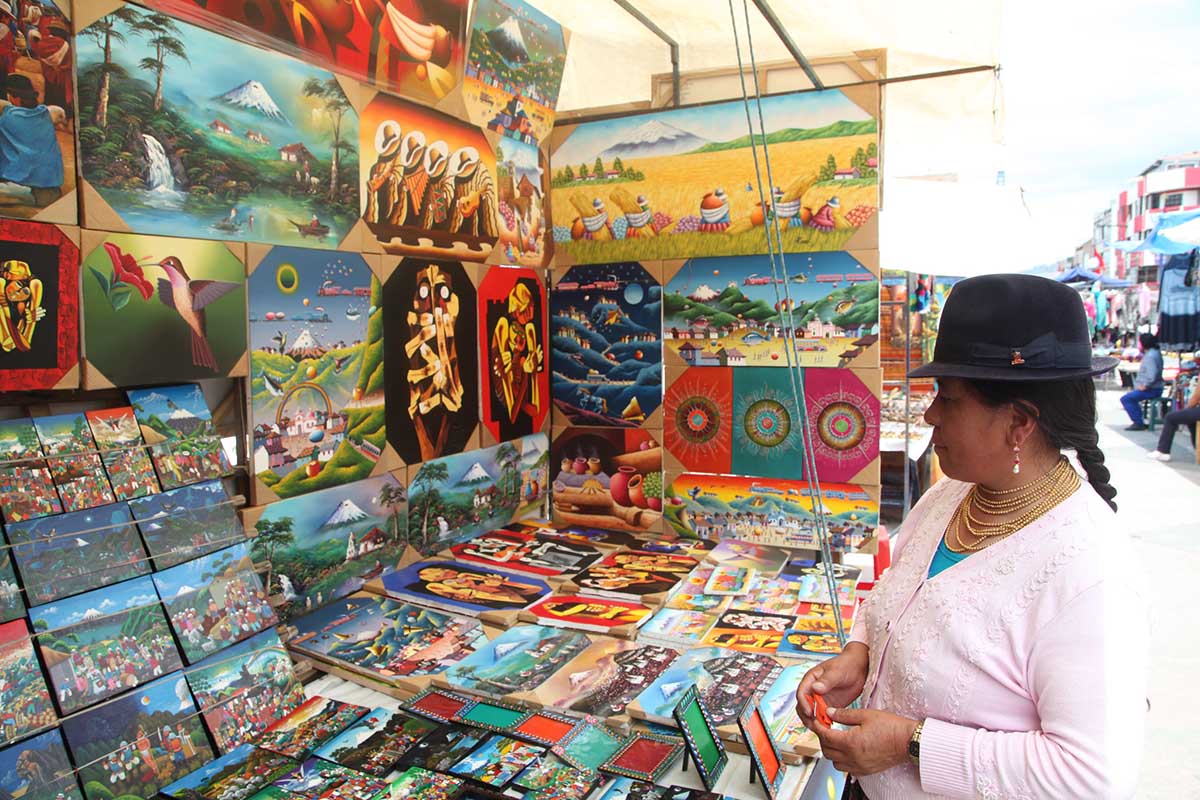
(327,544)
(512,341)
(606,324)
(462,588)
(384,638)
(241,691)
(23,696)
(430,357)
(309,726)
(214,601)
(319,779)
(819,618)
(589,745)
(813,584)
(514,69)
(749,631)
(634,574)
(376,742)
(518,660)
(729,580)
(442,748)
(179,428)
(527,553)
(694,176)
(735,311)
(422,784)
(769,512)
(234,776)
(551,778)
(677,627)
(39,300)
(26,487)
(103,642)
(523,227)
(38,769)
(255,146)
(456,498)
(12,606)
(187,522)
(193,317)
(497,761)
(601,680)
(74,464)
(802,644)
(139,742)
(316,369)
(607,478)
(130,472)
(779,710)
(729,681)
(738,554)
(75,552)
(428,182)
(600,614)
(844,416)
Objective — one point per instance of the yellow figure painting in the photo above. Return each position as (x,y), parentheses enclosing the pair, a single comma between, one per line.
(21,308)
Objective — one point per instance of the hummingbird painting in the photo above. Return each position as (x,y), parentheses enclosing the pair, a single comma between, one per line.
(188,298)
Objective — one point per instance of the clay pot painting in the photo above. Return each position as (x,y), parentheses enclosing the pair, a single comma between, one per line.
(612,479)
(636,495)
(618,487)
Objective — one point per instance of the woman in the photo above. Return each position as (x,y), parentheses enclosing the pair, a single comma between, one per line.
(1148,385)
(1003,654)
(1189,416)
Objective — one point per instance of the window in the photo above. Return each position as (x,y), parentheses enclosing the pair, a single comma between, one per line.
(1154,200)
(1147,274)
(1172,200)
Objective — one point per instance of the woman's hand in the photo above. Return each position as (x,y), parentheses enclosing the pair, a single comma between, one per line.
(839,680)
(877,741)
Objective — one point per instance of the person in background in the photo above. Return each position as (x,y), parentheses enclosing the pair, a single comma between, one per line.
(1148,385)
(1189,415)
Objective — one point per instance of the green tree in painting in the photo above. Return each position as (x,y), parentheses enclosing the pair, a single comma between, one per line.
(598,168)
(163,35)
(508,458)
(272,535)
(829,170)
(568,173)
(391,496)
(583,172)
(104,33)
(425,495)
(329,93)
(618,166)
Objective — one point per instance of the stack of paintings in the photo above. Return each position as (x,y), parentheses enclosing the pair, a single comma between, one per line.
(461,588)
(516,662)
(311,724)
(26,487)
(176,423)
(729,680)
(123,452)
(71,455)
(237,775)
(187,522)
(526,553)
(24,700)
(376,742)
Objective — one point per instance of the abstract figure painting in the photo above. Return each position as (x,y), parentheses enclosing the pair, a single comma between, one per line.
(316,370)
(254,146)
(189,325)
(607,478)
(606,323)
(430,358)
(682,182)
(428,182)
(39,305)
(512,342)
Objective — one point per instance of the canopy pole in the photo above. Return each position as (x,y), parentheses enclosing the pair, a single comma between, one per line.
(768,13)
(660,33)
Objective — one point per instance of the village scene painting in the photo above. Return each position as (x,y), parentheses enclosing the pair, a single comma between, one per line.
(514,69)
(177,424)
(187,522)
(73,461)
(735,311)
(26,488)
(606,357)
(23,696)
(253,145)
(316,370)
(38,769)
(325,545)
(525,236)
(681,183)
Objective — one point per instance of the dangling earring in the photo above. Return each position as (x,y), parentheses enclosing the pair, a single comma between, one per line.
(1016,459)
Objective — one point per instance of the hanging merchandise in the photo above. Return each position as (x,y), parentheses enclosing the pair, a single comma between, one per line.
(1179,303)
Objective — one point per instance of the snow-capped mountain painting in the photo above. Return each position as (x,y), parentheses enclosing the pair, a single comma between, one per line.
(346,513)
(254,96)
(654,138)
(508,41)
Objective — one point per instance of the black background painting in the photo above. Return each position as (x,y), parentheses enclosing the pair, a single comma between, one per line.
(505,429)
(43,264)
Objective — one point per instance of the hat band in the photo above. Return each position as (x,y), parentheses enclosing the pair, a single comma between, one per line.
(1044,352)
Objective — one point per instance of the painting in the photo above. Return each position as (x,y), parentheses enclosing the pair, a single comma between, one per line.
(514,69)
(319,779)
(188,325)
(677,627)
(779,710)
(682,182)
(23,695)
(123,452)
(527,553)
(461,588)
(72,553)
(607,478)
(634,574)
(12,606)
(241,691)
(551,778)
(770,512)
(844,416)
(139,742)
(26,487)
(214,601)
(456,498)
(644,755)
(179,428)
(739,311)
(522,223)
(376,742)
(414,48)
(728,680)
(39,298)
(606,353)
(234,776)
(256,146)
(442,748)
(517,661)
(311,724)
(103,642)
(430,359)
(748,631)
(38,172)
(316,370)
(421,784)
(71,456)
(599,614)
(699,732)
(325,545)
(428,182)
(512,345)
(385,639)
(698,419)
(497,761)
(38,769)
(187,522)
(589,745)
(601,680)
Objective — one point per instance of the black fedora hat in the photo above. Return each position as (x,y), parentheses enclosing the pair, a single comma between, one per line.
(1013,328)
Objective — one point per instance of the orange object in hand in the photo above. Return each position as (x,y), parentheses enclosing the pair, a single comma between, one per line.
(820,709)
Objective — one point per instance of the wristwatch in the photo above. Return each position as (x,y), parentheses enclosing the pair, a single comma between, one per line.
(914,744)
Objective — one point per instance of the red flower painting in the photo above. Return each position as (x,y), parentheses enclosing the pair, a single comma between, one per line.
(126,270)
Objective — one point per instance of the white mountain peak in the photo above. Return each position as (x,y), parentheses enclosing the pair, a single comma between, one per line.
(254,96)
(347,511)
(703,293)
(476,473)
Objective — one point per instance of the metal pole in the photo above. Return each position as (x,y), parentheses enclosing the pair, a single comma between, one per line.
(660,33)
(768,13)
(908,294)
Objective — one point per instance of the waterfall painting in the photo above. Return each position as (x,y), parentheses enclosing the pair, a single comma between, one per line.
(187,133)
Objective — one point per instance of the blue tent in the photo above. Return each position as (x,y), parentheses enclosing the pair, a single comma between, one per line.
(1080,275)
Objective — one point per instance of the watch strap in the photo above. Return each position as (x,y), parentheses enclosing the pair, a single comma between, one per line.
(914,743)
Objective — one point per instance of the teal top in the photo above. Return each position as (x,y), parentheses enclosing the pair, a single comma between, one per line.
(944,558)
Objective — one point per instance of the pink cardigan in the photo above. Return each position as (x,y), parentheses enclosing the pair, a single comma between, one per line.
(1028,660)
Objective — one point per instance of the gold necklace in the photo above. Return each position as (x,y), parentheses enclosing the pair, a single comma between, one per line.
(1007,499)
(1062,477)
(1058,484)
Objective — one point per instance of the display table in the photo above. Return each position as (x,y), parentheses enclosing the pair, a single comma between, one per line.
(891,439)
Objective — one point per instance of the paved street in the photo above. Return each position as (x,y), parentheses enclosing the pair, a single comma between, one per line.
(1160,506)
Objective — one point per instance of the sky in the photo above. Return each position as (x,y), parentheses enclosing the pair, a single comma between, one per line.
(172,581)
(313,268)
(187,396)
(716,273)
(108,600)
